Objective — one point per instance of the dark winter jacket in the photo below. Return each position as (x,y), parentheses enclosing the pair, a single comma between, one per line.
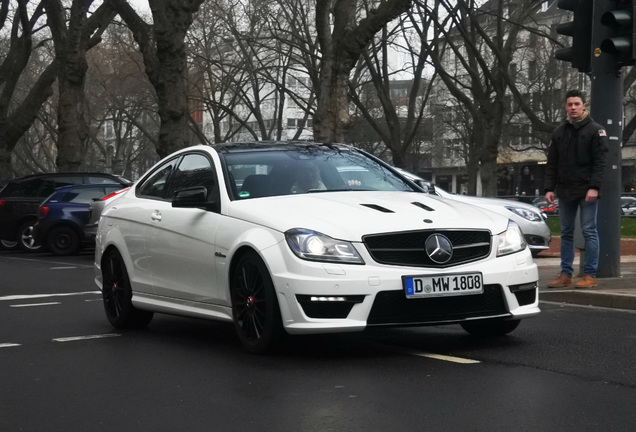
(576,159)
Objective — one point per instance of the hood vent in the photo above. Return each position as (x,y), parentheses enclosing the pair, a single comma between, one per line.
(378,208)
(423,206)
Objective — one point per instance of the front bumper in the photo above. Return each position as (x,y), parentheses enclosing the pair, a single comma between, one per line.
(320,297)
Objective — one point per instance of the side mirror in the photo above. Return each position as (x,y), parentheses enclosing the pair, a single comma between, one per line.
(427,187)
(194,197)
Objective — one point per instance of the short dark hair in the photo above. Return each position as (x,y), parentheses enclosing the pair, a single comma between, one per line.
(575,93)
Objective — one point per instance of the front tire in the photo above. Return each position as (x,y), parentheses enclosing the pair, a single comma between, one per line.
(117,294)
(491,327)
(26,241)
(255,307)
(63,240)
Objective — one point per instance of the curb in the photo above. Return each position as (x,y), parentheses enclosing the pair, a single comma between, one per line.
(591,298)
(612,292)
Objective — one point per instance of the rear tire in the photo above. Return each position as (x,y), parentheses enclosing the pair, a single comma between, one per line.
(9,244)
(491,327)
(63,240)
(117,294)
(255,307)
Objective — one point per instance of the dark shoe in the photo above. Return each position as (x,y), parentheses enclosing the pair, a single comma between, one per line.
(587,281)
(561,282)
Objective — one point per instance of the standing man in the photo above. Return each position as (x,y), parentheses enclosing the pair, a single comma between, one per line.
(575,169)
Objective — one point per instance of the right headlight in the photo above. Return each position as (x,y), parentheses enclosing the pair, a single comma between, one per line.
(530,215)
(314,246)
(511,240)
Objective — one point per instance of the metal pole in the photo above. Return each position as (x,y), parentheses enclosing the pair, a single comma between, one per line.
(607,109)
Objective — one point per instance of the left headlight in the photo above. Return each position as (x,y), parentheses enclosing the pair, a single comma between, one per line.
(526,214)
(314,246)
(511,240)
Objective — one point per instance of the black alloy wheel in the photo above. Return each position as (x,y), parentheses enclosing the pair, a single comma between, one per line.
(117,294)
(491,327)
(255,307)
(64,240)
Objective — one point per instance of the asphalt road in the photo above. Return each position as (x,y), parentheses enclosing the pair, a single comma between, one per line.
(64,368)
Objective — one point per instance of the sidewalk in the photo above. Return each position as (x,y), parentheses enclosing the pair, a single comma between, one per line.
(613,292)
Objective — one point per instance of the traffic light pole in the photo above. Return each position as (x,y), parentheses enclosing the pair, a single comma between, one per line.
(607,109)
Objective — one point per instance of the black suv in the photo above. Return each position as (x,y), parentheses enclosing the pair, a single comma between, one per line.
(20,198)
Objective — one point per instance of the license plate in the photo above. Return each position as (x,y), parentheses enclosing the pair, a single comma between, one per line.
(443,285)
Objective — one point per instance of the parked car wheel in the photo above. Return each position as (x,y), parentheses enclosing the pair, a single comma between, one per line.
(489,328)
(9,245)
(117,294)
(64,240)
(26,240)
(254,305)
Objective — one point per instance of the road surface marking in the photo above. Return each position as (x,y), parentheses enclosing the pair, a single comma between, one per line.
(447,358)
(61,263)
(35,304)
(35,296)
(78,338)
(8,345)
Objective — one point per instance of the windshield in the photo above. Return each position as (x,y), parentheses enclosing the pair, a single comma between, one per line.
(298,170)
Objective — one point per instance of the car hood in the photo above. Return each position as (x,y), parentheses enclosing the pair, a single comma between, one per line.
(351,215)
(495,202)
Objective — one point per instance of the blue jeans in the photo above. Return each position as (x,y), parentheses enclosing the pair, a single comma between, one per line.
(567,214)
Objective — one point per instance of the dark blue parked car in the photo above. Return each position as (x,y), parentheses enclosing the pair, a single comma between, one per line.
(62,216)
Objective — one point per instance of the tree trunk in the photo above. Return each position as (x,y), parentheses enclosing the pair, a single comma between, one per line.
(71,114)
(71,44)
(163,47)
(17,117)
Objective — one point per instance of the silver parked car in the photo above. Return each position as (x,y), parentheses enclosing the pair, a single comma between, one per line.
(530,219)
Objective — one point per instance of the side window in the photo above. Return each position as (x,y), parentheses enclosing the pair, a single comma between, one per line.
(195,169)
(88,195)
(155,185)
(82,195)
(66,181)
(100,180)
(31,188)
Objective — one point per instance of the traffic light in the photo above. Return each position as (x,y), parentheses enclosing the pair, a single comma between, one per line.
(580,29)
(622,43)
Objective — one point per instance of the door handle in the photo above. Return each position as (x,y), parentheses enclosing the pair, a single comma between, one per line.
(156,216)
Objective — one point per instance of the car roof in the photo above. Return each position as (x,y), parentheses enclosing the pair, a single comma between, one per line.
(70,174)
(89,186)
(275,146)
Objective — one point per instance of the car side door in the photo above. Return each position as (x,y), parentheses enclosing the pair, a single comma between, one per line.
(180,242)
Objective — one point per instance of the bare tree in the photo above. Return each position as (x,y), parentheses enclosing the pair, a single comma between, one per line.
(482,42)
(24,87)
(342,39)
(162,44)
(123,107)
(395,108)
(72,39)
(629,90)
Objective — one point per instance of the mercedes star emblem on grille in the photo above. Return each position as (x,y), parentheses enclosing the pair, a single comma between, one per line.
(439,248)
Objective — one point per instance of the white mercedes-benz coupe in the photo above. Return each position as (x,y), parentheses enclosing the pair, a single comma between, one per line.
(297,238)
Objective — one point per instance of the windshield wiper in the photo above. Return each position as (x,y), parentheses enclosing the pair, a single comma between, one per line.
(339,190)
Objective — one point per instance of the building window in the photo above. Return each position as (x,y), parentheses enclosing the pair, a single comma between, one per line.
(109,129)
(294,123)
(532,70)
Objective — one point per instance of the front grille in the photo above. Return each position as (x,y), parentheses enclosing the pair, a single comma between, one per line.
(393,308)
(407,248)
